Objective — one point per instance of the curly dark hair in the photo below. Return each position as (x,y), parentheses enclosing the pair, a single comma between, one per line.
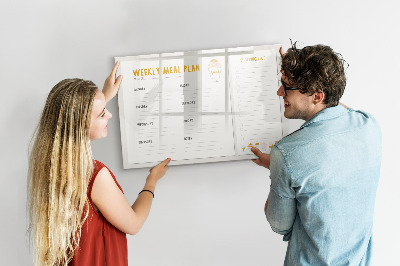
(316,69)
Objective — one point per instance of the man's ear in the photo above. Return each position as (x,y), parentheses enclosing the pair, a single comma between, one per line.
(318,97)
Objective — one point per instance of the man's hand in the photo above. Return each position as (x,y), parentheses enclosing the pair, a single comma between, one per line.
(281,52)
(263,158)
(111,85)
(345,106)
(266,206)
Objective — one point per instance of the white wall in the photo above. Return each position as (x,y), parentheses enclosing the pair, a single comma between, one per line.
(209,214)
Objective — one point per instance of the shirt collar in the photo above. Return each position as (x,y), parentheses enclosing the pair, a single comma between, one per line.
(325,114)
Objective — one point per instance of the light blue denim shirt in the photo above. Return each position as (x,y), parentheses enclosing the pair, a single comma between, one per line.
(323,183)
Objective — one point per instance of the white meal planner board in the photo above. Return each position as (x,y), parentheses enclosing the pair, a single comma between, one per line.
(199,106)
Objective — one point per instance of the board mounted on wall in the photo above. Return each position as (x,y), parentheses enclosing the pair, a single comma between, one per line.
(199,106)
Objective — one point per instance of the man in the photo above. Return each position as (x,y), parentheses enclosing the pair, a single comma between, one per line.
(323,176)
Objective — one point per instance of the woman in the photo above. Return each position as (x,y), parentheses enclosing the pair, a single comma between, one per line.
(78,212)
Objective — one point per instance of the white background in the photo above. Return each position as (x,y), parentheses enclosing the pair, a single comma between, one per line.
(206,214)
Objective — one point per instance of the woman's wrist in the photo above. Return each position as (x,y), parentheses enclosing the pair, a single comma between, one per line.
(150,184)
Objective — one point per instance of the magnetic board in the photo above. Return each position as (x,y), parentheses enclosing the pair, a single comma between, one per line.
(199,106)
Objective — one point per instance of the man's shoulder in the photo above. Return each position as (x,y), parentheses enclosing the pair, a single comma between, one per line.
(351,123)
(364,116)
(293,141)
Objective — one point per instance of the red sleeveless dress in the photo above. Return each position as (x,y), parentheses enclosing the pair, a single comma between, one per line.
(101,243)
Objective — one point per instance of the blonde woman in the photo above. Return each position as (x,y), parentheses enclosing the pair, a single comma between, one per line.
(78,212)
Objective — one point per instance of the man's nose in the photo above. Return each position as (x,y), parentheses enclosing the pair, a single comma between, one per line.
(280,91)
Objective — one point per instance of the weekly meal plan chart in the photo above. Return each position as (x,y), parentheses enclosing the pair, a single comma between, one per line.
(199,106)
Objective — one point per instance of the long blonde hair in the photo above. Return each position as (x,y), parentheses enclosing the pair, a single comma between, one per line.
(60,167)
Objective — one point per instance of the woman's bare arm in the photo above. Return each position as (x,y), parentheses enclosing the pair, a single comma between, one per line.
(114,206)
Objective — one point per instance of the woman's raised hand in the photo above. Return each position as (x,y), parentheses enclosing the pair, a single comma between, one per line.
(111,85)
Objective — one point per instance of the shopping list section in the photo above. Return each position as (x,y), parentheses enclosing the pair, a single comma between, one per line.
(199,106)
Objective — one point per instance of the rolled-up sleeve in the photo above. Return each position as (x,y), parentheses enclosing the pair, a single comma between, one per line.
(281,210)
